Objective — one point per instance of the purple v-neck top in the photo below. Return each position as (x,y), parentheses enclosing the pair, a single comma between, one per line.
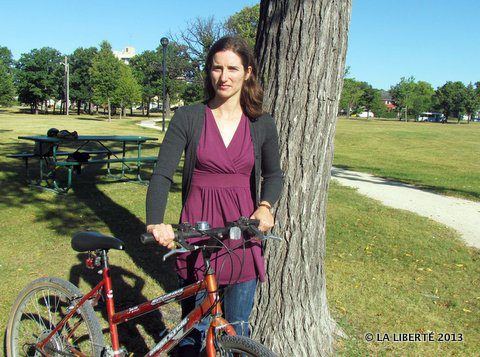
(221,192)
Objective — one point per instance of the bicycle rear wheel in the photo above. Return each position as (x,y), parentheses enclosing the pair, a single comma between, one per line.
(228,345)
(37,311)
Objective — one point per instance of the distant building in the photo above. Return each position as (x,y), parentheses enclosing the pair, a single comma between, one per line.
(388,100)
(125,55)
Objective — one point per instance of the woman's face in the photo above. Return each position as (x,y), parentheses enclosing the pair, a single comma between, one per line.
(228,74)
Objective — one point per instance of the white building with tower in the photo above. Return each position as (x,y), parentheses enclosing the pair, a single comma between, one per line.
(125,55)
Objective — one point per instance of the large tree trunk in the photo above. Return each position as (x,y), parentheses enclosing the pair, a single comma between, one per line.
(301,48)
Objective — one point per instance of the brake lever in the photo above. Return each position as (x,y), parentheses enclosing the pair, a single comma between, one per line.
(265,237)
(260,236)
(271,236)
(176,251)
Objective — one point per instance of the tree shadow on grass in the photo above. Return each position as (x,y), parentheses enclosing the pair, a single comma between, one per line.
(85,207)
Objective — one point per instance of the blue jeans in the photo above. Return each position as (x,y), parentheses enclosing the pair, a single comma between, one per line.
(237,305)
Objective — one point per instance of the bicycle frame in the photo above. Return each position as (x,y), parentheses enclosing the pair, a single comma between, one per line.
(209,306)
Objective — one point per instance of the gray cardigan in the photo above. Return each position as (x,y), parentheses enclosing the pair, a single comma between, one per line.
(183,135)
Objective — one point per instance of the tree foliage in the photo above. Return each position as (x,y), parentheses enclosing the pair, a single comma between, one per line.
(81,88)
(40,76)
(7,88)
(371,99)
(180,71)
(128,91)
(147,69)
(105,75)
(6,57)
(351,94)
(244,24)
(451,98)
(472,99)
(413,97)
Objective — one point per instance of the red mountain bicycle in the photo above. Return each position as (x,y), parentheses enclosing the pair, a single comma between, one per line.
(52,317)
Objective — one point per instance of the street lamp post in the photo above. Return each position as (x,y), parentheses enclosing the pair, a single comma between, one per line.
(164,42)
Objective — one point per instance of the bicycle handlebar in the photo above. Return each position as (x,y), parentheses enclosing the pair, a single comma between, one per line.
(185,231)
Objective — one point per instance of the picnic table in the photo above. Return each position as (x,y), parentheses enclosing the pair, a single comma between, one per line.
(54,154)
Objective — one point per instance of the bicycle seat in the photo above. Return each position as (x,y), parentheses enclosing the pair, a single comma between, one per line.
(88,241)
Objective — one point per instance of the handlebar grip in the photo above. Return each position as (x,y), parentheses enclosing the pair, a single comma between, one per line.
(147,238)
(254,222)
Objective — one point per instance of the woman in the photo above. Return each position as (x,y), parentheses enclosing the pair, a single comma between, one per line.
(229,144)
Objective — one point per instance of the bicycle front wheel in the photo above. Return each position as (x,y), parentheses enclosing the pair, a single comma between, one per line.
(228,345)
(36,313)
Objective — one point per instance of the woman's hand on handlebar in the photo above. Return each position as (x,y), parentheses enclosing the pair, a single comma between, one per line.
(263,214)
(163,234)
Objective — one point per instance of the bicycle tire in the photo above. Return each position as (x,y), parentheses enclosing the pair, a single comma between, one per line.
(228,345)
(37,310)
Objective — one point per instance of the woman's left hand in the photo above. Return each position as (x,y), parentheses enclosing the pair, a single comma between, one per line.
(265,217)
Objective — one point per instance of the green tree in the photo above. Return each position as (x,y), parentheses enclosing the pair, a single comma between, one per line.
(370,98)
(147,69)
(193,92)
(472,100)
(403,93)
(6,57)
(180,72)
(105,75)
(351,94)
(39,76)
(451,98)
(81,62)
(128,91)
(244,23)
(423,98)
(7,87)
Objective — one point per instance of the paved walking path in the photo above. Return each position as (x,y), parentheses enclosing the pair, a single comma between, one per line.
(459,214)
(152,124)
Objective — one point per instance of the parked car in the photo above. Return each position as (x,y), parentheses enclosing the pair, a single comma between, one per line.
(365,115)
(431,117)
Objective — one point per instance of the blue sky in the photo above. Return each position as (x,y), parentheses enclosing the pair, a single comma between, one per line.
(433,40)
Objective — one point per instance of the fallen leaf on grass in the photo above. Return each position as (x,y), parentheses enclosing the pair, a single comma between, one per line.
(466,310)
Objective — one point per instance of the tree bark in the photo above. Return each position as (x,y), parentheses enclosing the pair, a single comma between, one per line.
(109,111)
(301,48)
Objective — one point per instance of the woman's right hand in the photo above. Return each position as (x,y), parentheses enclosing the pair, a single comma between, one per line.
(163,234)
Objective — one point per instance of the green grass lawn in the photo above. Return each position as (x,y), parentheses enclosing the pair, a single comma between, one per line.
(391,271)
(442,157)
(388,271)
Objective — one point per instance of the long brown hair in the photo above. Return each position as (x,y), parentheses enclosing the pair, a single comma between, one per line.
(251,97)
